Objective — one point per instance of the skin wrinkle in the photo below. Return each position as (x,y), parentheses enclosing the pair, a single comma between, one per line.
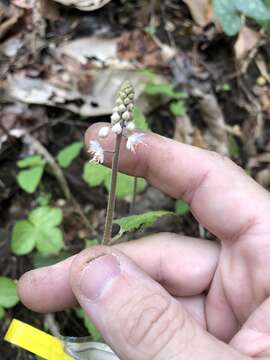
(131,330)
(190,193)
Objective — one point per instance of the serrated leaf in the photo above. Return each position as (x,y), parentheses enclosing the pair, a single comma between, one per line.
(8,293)
(134,222)
(181,207)
(68,154)
(45,216)
(229,17)
(39,230)
(95,174)
(178,108)
(49,241)
(23,238)
(88,324)
(2,312)
(125,185)
(30,179)
(139,119)
(254,9)
(31,161)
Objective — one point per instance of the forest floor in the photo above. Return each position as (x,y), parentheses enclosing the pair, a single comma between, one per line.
(59,68)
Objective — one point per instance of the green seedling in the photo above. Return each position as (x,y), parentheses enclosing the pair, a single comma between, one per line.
(40,230)
(8,295)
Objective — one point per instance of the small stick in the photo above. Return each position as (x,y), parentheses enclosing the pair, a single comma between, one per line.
(111,201)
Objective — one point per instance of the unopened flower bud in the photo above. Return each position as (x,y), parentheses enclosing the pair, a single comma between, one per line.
(127,101)
(126,116)
(130,107)
(117,129)
(121,108)
(115,118)
(104,131)
(119,101)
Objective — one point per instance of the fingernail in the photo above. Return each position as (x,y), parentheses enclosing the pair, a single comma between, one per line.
(97,275)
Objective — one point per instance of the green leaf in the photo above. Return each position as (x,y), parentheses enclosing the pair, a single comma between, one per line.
(164,89)
(89,243)
(233,147)
(151,30)
(139,119)
(254,9)
(49,241)
(39,260)
(178,108)
(44,198)
(125,185)
(88,324)
(2,312)
(95,174)
(68,154)
(8,293)
(134,222)
(23,238)
(39,230)
(149,74)
(30,179)
(31,161)
(45,216)
(181,207)
(229,17)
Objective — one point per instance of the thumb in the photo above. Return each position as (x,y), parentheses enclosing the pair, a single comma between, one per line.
(135,315)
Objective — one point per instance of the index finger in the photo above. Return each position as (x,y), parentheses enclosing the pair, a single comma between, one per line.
(222,197)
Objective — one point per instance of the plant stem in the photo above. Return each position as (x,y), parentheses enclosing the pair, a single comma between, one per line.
(111,201)
(134,194)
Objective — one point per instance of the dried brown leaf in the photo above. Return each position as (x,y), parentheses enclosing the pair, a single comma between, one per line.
(201,11)
(247,40)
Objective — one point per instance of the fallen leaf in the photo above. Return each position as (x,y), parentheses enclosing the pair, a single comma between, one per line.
(24,4)
(198,139)
(92,48)
(247,40)
(263,177)
(11,47)
(139,47)
(201,11)
(100,101)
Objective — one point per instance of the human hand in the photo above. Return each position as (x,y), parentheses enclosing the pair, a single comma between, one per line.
(164,291)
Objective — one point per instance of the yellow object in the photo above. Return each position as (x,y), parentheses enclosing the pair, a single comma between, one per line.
(36,341)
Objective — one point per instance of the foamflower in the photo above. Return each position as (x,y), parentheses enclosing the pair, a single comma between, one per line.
(134,140)
(96,150)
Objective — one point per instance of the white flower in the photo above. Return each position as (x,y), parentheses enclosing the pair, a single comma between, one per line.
(117,128)
(104,131)
(130,126)
(134,140)
(96,150)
